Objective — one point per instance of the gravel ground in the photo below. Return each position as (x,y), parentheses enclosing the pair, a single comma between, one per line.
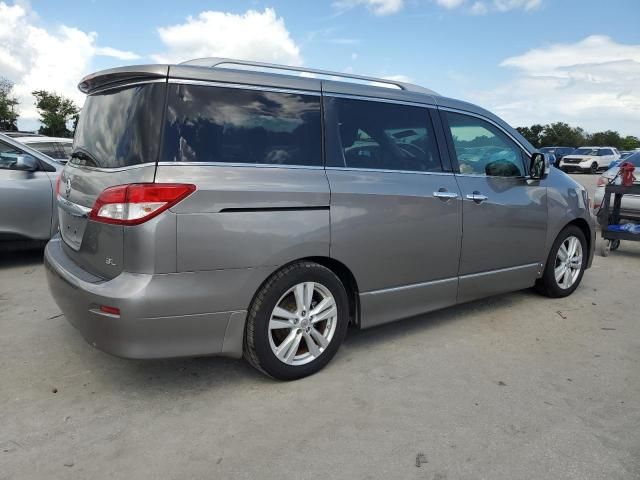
(512,387)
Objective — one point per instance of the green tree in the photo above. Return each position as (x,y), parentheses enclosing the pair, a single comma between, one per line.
(608,138)
(630,143)
(55,112)
(8,114)
(532,133)
(563,135)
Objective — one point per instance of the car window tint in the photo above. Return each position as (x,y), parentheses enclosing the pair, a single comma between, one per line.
(67,149)
(48,148)
(482,148)
(379,135)
(215,124)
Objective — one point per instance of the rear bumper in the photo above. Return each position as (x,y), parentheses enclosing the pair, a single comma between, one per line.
(161,316)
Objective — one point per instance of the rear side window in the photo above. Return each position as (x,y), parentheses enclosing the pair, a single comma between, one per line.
(379,135)
(230,125)
(120,127)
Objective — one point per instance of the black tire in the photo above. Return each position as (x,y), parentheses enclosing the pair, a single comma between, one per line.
(547,284)
(615,244)
(257,349)
(594,168)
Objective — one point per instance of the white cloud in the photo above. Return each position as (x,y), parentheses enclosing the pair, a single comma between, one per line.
(450,3)
(480,7)
(398,78)
(594,83)
(35,58)
(506,5)
(378,7)
(115,53)
(254,35)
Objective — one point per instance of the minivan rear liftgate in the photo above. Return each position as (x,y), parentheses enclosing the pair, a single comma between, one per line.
(108,184)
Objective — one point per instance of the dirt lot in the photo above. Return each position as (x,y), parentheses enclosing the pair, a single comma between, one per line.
(512,387)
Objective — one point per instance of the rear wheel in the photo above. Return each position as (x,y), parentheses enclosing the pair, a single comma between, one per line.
(594,168)
(565,265)
(296,321)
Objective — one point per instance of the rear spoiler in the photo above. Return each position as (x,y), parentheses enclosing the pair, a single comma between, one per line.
(122,75)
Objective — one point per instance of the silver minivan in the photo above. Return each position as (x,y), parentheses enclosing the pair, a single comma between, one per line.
(222,207)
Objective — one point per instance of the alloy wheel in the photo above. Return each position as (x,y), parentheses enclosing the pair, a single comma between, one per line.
(302,323)
(568,264)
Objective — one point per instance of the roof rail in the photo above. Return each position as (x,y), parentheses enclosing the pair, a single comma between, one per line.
(213,62)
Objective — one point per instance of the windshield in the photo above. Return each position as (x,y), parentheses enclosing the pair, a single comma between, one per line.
(120,127)
(586,151)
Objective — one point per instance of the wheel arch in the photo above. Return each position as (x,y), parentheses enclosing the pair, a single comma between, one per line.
(583,225)
(586,229)
(344,274)
(347,278)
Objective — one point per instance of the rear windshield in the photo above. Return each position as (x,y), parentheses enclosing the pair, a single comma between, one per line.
(120,127)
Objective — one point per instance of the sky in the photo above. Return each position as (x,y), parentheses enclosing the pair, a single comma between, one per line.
(529,61)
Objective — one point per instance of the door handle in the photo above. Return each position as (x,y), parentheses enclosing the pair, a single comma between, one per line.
(445,195)
(476,197)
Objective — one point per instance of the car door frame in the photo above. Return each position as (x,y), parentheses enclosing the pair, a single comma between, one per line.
(380,299)
(474,285)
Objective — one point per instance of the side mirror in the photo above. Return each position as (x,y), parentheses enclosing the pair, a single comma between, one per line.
(26,163)
(540,166)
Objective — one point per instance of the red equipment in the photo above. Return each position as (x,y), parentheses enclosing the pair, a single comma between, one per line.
(626,172)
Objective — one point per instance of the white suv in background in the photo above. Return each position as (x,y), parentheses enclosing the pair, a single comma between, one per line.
(589,159)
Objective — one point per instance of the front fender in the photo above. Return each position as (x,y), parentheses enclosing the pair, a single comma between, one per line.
(567,204)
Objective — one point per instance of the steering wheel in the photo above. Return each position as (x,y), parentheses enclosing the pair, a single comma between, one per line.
(413,154)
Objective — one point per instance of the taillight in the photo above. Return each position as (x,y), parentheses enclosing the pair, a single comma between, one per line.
(602,181)
(137,202)
(58,185)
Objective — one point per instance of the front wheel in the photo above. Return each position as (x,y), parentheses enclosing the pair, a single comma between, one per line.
(296,321)
(565,265)
(594,168)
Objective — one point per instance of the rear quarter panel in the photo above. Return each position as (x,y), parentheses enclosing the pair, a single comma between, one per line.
(248,216)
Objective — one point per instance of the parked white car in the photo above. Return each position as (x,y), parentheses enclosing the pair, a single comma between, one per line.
(55,147)
(589,159)
(630,204)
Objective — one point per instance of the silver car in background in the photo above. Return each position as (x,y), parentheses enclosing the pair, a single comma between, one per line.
(27,192)
(57,148)
(210,210)
(630,204)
